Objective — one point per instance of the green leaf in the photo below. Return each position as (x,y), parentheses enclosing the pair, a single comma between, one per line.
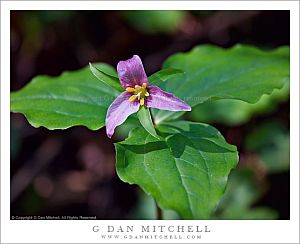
(122,131)
(73,98)
(108,79)
(146,121)
(164,74)
(186,172)
(236,112)
(211,73)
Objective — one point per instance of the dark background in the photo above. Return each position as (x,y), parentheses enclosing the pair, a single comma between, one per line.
(72,172)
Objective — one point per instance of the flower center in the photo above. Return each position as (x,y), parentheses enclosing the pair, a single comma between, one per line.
(139,92)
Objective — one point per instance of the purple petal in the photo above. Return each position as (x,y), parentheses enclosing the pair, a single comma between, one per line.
(131,72)
(164,100)
(118,112)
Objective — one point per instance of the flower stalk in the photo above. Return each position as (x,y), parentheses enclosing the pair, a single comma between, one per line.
(159,215)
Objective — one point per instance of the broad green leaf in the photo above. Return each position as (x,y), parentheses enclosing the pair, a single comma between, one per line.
(236,112)
(108,79)
(146,121)
(211,73)
(73,98)
(164,74)
(186,172)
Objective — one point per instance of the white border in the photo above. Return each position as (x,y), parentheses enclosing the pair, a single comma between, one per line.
(81,231)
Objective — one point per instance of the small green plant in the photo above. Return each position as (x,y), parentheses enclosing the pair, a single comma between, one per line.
(183,165)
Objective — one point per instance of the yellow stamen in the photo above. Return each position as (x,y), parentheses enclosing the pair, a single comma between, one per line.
(132,98)
(142,101)
(139,93)
(130,89)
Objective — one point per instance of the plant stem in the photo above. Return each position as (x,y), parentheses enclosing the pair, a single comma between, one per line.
(158,212)
(151,115)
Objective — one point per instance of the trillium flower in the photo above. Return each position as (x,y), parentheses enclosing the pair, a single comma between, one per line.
(137,93)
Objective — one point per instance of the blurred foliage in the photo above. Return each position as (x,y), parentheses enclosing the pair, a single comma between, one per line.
(37,22)
(155,21)
(32,202)
(271,141)
(15,141)
(235,112)
(146,209)
(49,17)
(241,193)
